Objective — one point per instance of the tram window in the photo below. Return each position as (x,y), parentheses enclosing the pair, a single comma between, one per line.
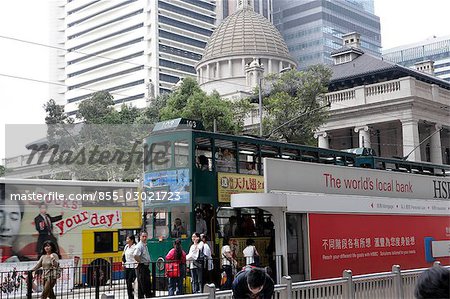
(161,155)
(203,153)
(309,156)
(268,151)
(180,222)
(161,223)
(103,242)
(248,156)
(225,156)
(289,153)
(181,153)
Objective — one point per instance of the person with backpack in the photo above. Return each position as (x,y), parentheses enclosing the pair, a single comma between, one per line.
(129,264)
(175,268)
(196,258)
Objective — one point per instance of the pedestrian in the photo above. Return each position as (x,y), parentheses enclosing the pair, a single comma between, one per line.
(209,264)
(142,256)
(433,283)
(251,254)
(253,283)
(196,263)
(129,264)
(229,263)
(49,262)
(176,261)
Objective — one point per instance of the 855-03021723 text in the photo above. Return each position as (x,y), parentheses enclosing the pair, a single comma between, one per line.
(97,196)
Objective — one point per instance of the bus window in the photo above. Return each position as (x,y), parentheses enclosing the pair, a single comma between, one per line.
(181,153)
(103,242)
(180,222)
(161,223)
(161,155)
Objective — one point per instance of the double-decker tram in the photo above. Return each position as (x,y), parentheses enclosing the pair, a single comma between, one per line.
(190,175)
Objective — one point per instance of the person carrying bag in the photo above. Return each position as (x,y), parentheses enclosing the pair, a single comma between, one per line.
(175,268)
(129,264)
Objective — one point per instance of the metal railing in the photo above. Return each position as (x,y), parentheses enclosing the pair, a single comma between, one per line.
(76,283)
(395,284)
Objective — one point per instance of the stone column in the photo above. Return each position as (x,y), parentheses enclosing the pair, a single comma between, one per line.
(217,74)
(364,136)
(322,139)
(435,145)
(410,135)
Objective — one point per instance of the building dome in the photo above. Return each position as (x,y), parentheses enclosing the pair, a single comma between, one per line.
(245,33)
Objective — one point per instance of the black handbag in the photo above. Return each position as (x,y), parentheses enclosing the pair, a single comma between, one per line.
(200,261)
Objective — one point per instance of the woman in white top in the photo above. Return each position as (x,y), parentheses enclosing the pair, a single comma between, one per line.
(196,265)
(209,265)
(129,263)
(229,264)
(250,252)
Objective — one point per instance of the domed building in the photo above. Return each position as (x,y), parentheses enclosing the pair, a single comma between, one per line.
(242,49)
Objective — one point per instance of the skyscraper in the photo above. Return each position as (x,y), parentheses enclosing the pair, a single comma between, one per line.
(135,49)
(313,29)
(436,49)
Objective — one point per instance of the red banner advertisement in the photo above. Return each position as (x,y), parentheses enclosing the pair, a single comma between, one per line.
(372,243)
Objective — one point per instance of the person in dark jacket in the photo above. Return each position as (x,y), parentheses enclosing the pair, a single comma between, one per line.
(253,283)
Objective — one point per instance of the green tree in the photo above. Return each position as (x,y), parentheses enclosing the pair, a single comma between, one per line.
(293,106)
(189,101)
(97,109)
(2,170)
(55,113)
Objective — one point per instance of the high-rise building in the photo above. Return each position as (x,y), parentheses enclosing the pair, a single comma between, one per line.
(313,29)
(135,49)
(436,49)
(225,8)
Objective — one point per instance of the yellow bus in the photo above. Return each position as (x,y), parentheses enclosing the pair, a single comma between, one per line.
(88,220)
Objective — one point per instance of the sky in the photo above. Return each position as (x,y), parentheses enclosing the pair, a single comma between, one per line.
(21,100)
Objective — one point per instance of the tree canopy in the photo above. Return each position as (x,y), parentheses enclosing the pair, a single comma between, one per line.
(294,107)
(189,101)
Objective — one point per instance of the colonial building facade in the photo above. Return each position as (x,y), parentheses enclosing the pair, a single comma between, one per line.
(396,110)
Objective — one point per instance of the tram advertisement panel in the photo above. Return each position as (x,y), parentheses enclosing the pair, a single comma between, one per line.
(233,183)
(373,243)
(166,186)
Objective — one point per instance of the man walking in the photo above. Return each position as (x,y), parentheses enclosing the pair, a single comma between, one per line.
(142,256)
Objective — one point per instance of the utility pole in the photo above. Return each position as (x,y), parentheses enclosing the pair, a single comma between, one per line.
(260,108)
